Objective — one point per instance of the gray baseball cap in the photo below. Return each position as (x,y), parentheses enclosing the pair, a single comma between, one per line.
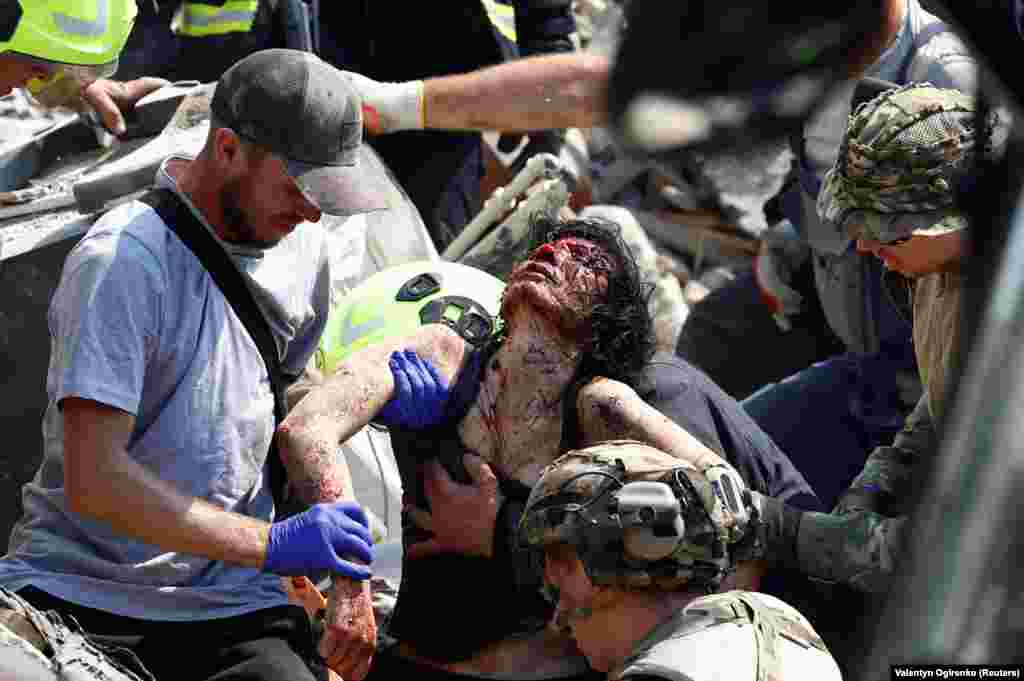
(304,110)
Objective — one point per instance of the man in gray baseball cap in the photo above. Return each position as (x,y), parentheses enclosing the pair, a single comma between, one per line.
(152,516)
(305,111)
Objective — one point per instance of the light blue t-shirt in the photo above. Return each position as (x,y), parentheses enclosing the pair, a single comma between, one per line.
(846,281)
(915,56)
(137,323)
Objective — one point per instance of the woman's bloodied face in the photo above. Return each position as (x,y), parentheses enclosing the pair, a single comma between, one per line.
(562,280)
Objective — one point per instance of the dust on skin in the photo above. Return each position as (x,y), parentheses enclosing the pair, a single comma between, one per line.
(611,414)
(516,423)
(350,609)
(540,408)
(308,446)
(324,480)
(313,473)
(612,411)
(341,404)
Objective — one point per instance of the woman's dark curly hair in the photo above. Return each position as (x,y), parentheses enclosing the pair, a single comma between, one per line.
(619,337)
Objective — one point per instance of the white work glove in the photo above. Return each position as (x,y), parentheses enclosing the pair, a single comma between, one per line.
(389,107)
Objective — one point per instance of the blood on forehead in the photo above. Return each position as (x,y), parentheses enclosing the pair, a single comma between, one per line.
(577,242)
(589,252)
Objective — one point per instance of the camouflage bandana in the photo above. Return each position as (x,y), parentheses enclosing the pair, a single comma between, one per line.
(566,507)
(901,158)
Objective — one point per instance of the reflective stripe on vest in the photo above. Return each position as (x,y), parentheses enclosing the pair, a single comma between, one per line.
(86,33)
(502,16)
(84,28)
(197,19)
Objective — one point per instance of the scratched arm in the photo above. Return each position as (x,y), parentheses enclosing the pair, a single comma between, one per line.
(308,439)
(610,410)
(347,400)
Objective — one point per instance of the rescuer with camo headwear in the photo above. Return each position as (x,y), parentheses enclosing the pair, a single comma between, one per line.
(635,546)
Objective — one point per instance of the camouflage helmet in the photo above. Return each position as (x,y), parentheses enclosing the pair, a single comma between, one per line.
(638,517)
(900,160)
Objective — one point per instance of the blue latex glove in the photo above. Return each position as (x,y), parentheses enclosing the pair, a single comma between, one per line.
(421,393)
(316,540)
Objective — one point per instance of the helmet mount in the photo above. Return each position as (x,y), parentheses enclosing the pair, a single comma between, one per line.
(634,523)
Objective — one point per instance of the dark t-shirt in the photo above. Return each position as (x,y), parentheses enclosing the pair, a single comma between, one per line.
(686,395)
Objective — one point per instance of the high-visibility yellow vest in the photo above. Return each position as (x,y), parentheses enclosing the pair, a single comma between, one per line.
(502,16)
(73,32)
(197,19)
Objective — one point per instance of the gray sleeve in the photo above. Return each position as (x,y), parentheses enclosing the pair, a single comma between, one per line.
(104,321)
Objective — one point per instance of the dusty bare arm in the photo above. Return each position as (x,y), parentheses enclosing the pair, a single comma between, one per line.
(102,482)
(348,400)
(308,440)
(551,91)
(610,410)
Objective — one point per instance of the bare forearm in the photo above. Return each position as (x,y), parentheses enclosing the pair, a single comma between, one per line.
(134,502)
(610,410)
(539,93)
(345,402)
(308,439)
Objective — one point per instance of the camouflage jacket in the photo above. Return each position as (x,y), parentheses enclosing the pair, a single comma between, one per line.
(860,542)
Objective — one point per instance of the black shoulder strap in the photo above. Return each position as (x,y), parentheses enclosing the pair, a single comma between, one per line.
(180,219)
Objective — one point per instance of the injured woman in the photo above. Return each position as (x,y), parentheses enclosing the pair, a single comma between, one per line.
(572,364)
